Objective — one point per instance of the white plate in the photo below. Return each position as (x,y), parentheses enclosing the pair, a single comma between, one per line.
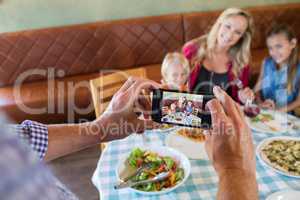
(162,151)
(262,143)
(280,122)
(192,149)
(285,195)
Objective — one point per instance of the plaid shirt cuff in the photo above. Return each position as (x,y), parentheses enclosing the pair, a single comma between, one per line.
(36,135)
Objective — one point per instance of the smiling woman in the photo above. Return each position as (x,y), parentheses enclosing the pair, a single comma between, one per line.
(222,56)
(231,30)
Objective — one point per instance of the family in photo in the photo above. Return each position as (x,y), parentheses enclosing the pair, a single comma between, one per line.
(181,108)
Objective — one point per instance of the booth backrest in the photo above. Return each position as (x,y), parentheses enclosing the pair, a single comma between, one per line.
(88,48)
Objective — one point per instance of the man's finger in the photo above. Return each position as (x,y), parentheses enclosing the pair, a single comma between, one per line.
(215,107)
(130,81)
(228,104)
(145,103)
(146,124)
(218,116)
(146,84)
(239,109)
(143,107)
(140,85)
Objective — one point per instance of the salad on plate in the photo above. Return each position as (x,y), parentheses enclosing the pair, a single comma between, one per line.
(156,164)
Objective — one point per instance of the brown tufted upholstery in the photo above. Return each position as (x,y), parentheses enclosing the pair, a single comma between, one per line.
(82,51)
(86,48)
(263,18)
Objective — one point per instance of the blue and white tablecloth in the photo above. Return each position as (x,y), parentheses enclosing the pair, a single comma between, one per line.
(202,182)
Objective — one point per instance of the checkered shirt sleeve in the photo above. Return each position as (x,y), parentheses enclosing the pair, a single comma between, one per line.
(36,134)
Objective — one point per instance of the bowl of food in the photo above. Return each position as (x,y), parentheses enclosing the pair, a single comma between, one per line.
(150,162)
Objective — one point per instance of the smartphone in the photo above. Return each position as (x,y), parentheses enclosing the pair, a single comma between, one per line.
(181,108)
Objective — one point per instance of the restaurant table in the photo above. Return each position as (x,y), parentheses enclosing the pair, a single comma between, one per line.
(202,182)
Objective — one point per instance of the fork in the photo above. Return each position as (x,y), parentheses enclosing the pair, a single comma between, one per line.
(239,84)
(157,178)
(138,171)
(249,103)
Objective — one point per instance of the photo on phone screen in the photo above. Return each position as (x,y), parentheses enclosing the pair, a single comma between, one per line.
(181,108)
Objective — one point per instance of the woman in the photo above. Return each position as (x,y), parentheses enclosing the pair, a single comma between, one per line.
(221,57)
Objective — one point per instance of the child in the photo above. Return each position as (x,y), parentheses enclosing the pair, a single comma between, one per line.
(189,108)
(175,71)
(278,82)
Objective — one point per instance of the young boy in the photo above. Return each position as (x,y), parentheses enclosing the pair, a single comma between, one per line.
(175,71)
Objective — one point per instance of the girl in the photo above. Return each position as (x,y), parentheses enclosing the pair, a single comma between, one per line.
(221,57)
(279,80)
(175,71)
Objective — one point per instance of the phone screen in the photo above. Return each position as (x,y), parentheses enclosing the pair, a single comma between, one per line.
(181,108)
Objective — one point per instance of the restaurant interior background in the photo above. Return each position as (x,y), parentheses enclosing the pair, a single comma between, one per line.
(18,15)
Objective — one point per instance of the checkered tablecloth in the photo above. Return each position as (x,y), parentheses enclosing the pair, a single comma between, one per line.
(202,182)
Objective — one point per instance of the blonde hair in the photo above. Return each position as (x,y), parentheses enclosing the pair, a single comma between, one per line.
(174,58)
(240,52)
(293,59)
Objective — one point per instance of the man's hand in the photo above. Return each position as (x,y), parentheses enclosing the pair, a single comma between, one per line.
(131,103)
(230,148)
(118,121)
(230,143)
